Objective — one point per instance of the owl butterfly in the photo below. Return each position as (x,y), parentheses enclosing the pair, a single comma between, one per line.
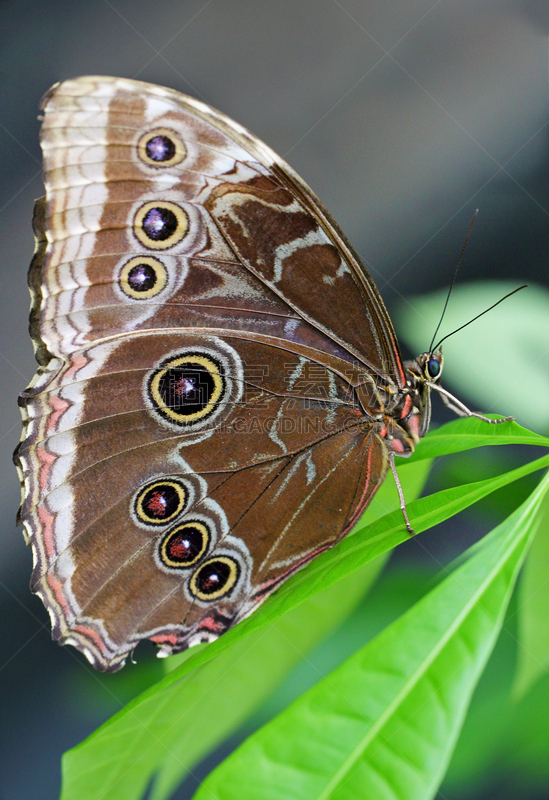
(220,390)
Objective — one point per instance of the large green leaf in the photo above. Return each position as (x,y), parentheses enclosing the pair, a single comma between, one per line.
(504,742)
(383,725)
(465,434)
(533,612)
(116,761)
(204,710)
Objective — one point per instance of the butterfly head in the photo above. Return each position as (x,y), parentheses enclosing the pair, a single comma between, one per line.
(422,373)
(425,369)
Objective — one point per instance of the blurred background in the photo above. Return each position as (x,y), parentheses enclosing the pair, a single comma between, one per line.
(404,117)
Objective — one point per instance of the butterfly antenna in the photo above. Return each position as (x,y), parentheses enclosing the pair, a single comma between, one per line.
(454,279)
(524,286)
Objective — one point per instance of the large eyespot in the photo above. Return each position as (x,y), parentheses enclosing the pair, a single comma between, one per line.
(159,502)
(215,578)
(161,147)
(187,388)
(184,545)
(160,224)
(143,277)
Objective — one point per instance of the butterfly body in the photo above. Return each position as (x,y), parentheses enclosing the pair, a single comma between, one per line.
(220,387)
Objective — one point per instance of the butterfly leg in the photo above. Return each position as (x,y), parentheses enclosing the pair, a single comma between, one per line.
(411,531)
(460,408)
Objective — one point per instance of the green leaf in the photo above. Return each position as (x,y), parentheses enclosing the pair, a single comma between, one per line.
(383,725)
(504,741)
(126,750)
(224,692)
(533,612)
(497,361)
(465,434)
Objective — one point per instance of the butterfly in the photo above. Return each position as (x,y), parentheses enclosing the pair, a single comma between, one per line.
(220,390)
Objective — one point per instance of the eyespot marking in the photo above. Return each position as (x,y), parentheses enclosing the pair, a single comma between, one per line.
(188,388)
(143,277)
(185,545)
(214,578)
(161,148)
(160,501)
(160,224)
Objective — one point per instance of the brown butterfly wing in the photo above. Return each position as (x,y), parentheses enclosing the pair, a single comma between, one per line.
(152,514)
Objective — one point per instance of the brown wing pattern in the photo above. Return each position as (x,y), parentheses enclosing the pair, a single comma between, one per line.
(194,434)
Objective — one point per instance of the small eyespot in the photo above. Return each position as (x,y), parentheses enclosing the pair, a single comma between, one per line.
(187,388)
(143,277)
(161,148)
(161,501)
(160,224)
(184,545)
(215,578)
(433,367)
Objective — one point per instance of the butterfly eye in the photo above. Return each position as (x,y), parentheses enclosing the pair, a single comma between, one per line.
(143,277)
(187,389)
(161,147)
(433,367)
(215,578)
(184,545)
(160,224)
(161,501)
